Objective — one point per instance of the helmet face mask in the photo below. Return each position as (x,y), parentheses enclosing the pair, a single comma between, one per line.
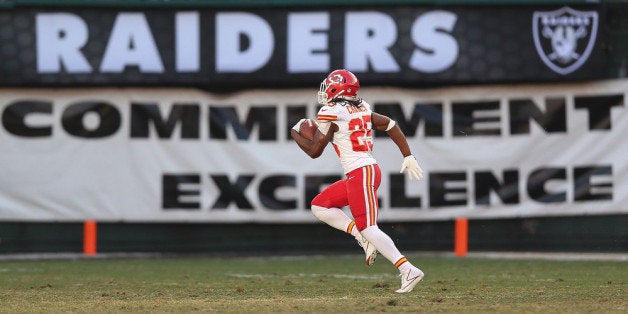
(338,85)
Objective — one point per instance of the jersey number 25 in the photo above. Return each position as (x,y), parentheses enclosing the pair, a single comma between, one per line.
(361,139)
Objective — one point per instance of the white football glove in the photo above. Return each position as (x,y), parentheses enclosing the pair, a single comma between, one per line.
(414,170)
(297,126)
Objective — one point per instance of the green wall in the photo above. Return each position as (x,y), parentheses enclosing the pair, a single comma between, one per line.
(549,234)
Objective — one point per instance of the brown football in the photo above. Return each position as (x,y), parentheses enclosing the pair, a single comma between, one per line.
(308,128)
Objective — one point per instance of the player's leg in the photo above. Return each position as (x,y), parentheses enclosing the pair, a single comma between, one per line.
(326,207)
(361,186)
(410,274)
(362,194)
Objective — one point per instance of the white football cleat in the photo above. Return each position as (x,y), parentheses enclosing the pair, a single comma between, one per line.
(409,279)
(369,250)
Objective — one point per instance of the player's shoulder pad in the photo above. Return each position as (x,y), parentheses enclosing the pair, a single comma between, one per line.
(329,113)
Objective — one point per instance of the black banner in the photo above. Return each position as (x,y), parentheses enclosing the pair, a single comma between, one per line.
(403,46)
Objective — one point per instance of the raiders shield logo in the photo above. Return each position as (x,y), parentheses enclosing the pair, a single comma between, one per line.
(564,38)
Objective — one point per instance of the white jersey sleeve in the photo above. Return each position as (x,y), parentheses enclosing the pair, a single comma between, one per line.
(353,142)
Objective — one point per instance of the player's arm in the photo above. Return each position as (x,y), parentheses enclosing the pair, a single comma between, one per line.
(384,123)
(316,146)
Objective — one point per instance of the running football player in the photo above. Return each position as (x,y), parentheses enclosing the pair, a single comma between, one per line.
(348,122)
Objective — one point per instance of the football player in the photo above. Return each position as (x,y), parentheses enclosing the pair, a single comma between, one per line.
(348,122)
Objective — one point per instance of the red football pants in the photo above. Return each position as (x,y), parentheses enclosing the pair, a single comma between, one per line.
(359,191)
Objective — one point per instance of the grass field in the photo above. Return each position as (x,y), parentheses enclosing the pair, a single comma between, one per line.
(311,284)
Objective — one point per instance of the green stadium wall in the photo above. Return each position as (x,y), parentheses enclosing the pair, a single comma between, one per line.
(543,234)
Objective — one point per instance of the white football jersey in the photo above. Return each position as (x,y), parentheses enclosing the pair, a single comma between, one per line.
(353,141)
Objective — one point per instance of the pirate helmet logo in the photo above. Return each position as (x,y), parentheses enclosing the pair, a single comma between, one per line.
(564,38)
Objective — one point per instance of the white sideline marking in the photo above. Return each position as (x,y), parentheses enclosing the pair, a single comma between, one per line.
(340,276)
(321,299)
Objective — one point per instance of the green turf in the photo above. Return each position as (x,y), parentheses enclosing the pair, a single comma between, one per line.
(322,284)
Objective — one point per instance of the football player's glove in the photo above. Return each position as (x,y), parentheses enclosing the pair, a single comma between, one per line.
(414,170)
(297,126)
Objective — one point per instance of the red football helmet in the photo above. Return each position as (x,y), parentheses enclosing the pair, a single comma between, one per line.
(339,84)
